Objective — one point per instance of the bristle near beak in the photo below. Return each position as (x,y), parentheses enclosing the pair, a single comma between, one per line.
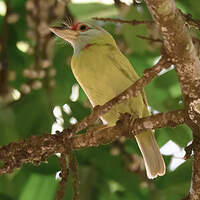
(66,34)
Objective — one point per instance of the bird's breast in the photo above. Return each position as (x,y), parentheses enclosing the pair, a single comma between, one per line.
(97,74)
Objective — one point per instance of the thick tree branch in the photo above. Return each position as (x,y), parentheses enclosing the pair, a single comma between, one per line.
(38,148)
(179,46)
(125,127)
(177,40)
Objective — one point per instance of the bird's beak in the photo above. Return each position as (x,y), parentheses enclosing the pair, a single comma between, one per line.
(66,34)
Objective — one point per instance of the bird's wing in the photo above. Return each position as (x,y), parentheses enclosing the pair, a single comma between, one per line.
(123,64)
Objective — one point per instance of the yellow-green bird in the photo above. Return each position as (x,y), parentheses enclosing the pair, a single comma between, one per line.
(104,72)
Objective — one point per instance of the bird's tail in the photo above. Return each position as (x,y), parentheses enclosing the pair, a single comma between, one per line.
(153,159)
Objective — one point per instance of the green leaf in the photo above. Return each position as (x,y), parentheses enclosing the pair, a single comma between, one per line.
(12,184)
(33,114)
(89,183)
(181,135)
(130,32)
(9,132)
(39,187)
(78,110)
(101,159)
(132,147)
(161,99)
(191,7)
(49,168)
(5,197)
(64,77)
(87,11)
(176,185)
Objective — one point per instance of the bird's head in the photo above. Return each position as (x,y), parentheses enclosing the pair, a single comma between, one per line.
(83,35)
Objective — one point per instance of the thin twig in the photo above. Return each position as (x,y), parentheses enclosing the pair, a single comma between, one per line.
(188,151)
(121,21)
(66,150)
(149,39)
(190,21)
(119,4)
(76,182)
(63,175)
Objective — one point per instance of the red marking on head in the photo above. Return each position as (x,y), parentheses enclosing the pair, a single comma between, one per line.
(74,28)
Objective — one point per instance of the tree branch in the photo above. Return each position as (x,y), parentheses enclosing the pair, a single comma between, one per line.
(37,149)
(121,21)
(191,22)
(125,127)
(179,46)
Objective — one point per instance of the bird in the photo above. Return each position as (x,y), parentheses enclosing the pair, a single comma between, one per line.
(104,72)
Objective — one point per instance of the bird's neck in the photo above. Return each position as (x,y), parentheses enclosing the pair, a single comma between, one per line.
(82,47)
(86,44)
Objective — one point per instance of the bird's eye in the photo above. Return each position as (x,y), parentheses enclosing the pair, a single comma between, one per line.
(83,27)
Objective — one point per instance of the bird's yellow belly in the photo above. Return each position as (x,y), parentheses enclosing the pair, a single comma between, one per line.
(102,81)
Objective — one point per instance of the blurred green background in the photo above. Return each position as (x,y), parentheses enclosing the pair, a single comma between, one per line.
(38,94)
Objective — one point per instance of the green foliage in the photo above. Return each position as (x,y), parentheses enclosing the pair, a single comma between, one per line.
(87,11)
(130,33)
(39,187)
(103,176)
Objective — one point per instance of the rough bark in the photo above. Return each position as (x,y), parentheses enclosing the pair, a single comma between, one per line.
(38,148)
(179,46)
